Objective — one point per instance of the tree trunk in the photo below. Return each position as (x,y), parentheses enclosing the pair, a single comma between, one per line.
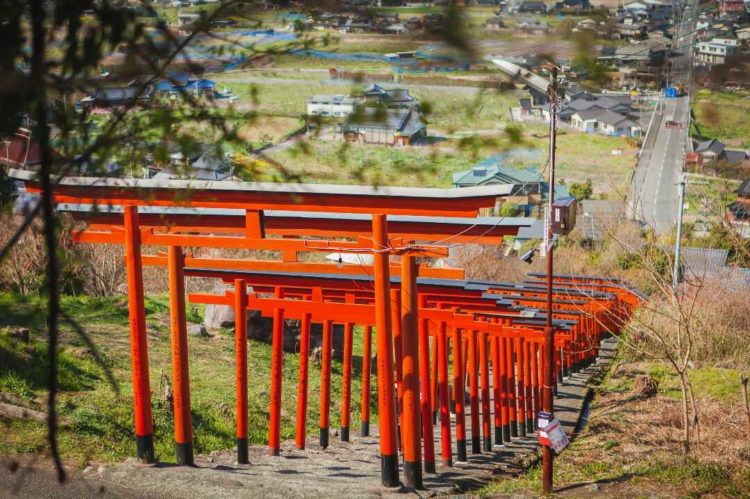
(685,415)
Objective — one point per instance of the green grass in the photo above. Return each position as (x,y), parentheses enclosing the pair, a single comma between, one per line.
(714,382)
(323,161)
(98,421)
(709,198)
(723,116)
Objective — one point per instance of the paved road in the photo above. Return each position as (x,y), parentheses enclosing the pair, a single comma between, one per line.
(653,198)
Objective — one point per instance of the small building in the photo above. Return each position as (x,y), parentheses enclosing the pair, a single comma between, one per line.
(563,215)
(532,27)
(186,20)
(494,24)
(392,97)
(20,150)
(332,105)
(400,127)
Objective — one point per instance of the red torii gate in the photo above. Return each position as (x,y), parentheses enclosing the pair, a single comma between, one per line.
(249,230)
(322,294)
(254,198)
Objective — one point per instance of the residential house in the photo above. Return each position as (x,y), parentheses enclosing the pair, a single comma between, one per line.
(494,24)
(586,25)
(631,29)
(617,125)
(184,83)
(715,53)
(185,20)
(710,150)
(650,52)
(413,23)
(714,150)
(392,97)
(383,126)
(704,21)
(732,8)
(718,48)
(528,186)
(204,165)
(332,105)
(531,27)
(585,121)
(532,7)
(604,114)
(108,97)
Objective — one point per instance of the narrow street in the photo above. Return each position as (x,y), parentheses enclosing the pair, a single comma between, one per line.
(653,197)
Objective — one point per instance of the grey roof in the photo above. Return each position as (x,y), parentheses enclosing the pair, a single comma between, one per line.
(515,71)
(612,118)
(404,121)
(733,156)
(596,217)
(264,187)
(711,145)
(590,114)
(534,231)
(700,262)
(392,94)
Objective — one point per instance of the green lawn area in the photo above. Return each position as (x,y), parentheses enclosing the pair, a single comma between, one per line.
(322,161)
(582,156)
(724,116)
(281,99)
(448,111)
(98,422)
(451,110)
(709,197)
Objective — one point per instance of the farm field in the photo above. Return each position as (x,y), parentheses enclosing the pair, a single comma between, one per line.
(723,116)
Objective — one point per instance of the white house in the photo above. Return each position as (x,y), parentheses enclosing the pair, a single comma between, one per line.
(604,122)
(332,105)
(615,124)
(713,52)
(585,121)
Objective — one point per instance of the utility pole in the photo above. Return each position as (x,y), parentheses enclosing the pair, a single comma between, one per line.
(549,339)
(678,241)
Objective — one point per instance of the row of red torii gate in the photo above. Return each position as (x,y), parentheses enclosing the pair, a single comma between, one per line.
(433,329)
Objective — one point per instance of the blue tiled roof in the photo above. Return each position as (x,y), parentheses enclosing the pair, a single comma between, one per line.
(492,170)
